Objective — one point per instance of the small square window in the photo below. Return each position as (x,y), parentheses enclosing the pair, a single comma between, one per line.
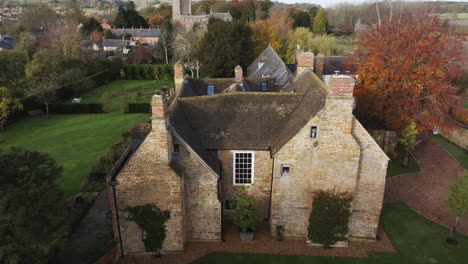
(264,87)
(210,89)
(313,132)
(176,148)
(285,170)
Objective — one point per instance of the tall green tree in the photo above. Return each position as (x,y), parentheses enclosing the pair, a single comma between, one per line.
(90,26)
(301,18)
(129,17)
(8,104)
(31,207)
(320,22)
(458,201)
(38,16)
(223,47)
(251,11)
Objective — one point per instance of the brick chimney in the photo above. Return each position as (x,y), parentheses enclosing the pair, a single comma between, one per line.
(304,60)
(179,75)
(341,85)
(238,74)
(319,64)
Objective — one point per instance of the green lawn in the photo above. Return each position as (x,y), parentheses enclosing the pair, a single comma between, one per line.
(417,240)
(395,166)
(75,141)
(458,153)
(145,88)
(456,16)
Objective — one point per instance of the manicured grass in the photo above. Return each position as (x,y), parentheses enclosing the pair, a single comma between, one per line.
(458,153)
(457,16)
(417,240)
(146,88)
(75,141)
(395,167)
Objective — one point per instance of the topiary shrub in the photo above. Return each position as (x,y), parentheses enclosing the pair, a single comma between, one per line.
(152,221)
(329,219)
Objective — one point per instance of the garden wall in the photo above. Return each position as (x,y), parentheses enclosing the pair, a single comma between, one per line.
(458,136)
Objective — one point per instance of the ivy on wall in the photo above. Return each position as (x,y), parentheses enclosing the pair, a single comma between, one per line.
(329,219)
(152,221)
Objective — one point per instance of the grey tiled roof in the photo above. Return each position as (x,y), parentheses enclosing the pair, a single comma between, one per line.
(198,87)
(137,32)
(6,42)
(268,63)
(114,43)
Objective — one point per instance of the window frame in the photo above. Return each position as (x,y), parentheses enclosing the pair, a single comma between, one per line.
(208,86)
(234,167)
(266,87)
(286,166)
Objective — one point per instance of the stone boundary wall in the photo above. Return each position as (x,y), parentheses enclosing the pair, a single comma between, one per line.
(458,136)
(386,139)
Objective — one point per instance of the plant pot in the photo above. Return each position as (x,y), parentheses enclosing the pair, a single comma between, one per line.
(246,236)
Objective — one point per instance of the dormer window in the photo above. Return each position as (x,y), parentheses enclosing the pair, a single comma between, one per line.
(264,87)
(210,89)
(313,132)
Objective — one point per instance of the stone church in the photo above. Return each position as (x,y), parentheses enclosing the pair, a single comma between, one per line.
(285,141)
(182,15)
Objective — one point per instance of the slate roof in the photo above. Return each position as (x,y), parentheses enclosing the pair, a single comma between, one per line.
(114,43)
(268,63)
(6,42)
(137,32)
(198,87)
(248,120)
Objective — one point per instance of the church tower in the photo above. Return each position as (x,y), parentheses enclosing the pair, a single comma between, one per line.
(181,7)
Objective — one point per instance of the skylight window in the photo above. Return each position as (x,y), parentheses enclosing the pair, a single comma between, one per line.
(210,89)
(264,87)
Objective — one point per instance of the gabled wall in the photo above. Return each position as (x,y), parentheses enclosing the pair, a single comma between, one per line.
(370,185)
(201,204)
(291,201)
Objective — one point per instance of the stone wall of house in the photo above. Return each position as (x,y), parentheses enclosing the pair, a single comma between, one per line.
(202,206)
(260,189)
(147,178)
(370,187)
(292,195)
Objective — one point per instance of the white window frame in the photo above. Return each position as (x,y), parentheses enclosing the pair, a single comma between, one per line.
(234,167)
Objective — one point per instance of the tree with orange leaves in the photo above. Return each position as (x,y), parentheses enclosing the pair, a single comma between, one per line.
(406,71)
(264,35)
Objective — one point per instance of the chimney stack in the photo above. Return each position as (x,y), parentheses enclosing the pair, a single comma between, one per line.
(319,65)
(158,108)
(304,60)
(179,75)
(238,74)
(341,85)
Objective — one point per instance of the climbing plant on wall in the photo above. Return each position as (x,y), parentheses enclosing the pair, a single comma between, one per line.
(152,222)
(329,219)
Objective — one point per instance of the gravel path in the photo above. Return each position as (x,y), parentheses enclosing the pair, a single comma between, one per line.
(263,244)
(426,191)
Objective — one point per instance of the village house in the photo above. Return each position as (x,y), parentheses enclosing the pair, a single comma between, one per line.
(283,141)
(6,42)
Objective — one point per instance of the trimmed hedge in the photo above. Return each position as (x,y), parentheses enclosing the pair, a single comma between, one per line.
(139,108)
(148,72)
(76,109)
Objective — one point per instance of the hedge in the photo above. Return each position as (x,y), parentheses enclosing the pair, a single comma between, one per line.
(76,108)
(148,71)
(139,108)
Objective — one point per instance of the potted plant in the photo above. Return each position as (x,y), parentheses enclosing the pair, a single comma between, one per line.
(247,218)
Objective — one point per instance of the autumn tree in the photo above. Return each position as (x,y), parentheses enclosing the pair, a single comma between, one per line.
(320,22)
(223,47)
(458,202)
(263,35)
(159,14)
(406,72)
(281,23)
(408,140)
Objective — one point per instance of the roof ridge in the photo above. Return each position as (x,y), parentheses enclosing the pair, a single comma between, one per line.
(239,93)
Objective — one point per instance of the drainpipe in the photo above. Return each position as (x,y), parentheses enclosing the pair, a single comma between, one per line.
(113,184)
(271,185)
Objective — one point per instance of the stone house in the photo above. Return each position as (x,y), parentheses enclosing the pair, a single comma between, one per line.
(285,142)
